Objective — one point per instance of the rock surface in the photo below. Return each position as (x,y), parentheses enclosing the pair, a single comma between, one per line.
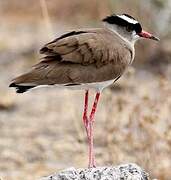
(121,172)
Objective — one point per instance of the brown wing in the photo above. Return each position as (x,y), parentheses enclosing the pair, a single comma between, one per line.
(82,47)
(80,57)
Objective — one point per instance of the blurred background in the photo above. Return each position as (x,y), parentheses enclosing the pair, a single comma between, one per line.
(41,131)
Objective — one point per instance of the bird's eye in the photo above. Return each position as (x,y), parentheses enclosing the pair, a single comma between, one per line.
(129,28)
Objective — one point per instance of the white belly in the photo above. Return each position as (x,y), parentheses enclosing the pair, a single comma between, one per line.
(99,86)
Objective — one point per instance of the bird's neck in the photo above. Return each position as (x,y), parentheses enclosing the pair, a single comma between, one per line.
(129,43)
(128,40)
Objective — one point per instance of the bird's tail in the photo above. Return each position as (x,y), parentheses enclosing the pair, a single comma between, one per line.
(24,82)
(44,73)
(37,76)
(21,88)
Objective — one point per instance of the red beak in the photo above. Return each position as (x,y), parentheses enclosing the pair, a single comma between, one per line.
(147,35)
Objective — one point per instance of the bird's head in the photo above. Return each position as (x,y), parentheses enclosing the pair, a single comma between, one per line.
(128,27)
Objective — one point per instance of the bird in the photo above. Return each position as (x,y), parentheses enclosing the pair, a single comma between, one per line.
(86,59)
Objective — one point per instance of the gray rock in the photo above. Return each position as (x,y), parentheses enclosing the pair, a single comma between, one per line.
(121,172)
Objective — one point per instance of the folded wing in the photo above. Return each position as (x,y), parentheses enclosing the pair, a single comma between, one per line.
(78,57)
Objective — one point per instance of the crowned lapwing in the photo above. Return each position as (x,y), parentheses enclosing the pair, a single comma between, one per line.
(86,59)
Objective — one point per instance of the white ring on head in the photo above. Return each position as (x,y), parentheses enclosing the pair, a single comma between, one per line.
(130,20)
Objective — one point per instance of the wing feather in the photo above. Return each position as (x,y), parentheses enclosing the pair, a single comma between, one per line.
(84,48)
(79,57)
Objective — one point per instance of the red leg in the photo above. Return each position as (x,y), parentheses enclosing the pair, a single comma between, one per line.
(93,111)
(90,146)
(88,124)
(91,121)
(85,118)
